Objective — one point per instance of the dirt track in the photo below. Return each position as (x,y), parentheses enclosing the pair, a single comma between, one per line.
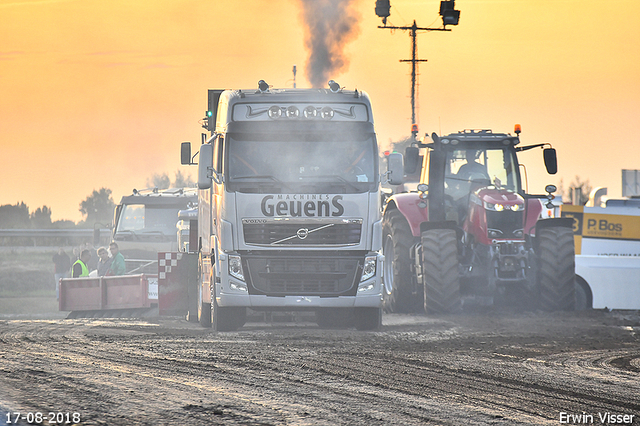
(476,368)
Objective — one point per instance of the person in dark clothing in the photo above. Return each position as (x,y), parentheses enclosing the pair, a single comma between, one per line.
(62,263)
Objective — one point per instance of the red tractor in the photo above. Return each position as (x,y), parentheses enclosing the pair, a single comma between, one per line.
(471,234)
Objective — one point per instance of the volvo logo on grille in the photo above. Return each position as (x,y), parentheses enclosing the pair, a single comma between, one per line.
(302,233)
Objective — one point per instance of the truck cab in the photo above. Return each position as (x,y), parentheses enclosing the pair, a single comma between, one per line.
(145,224)
(289,206)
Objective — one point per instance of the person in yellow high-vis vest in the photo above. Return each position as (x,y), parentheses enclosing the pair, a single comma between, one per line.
(79,268)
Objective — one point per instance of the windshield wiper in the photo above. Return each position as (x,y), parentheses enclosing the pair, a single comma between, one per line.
(338,177)
(273,178)
(126,233)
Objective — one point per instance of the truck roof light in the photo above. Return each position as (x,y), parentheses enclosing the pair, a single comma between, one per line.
(275,112)
(293,112)
(310,112)
(333,86)
(444,141)
(326,113)
(454,141)
(263,86)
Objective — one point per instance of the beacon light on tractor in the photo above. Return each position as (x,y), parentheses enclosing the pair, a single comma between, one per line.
(471,232)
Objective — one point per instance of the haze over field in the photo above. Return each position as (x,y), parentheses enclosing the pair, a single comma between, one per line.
(100,94)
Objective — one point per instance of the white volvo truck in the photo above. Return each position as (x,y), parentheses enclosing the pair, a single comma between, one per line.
(289,206)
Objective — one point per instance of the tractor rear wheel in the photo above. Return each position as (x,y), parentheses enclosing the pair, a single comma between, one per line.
(556,269)
(398,294)
(440,272)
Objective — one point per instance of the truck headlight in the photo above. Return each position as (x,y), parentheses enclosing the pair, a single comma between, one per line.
(369,268)
(235,267)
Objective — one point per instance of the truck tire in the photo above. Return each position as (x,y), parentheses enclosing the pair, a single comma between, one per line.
(556,269)
(204,310)
(334,318)
(193,297)
(230,319)
(227,318)
(368,318)
(440,272)
(397,291)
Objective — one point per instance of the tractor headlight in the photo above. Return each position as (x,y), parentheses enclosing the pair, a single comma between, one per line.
(501,207)
(235,267)
(494,207)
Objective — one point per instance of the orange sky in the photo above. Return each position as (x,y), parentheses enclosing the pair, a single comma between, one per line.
(101,93)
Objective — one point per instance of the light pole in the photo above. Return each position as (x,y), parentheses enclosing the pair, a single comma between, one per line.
(450,16)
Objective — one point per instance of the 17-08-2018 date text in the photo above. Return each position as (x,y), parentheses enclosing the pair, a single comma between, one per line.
(53,418)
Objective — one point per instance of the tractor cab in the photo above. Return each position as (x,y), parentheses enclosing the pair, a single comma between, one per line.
(475,167)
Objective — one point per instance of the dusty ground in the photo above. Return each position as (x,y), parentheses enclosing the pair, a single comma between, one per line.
(492,367)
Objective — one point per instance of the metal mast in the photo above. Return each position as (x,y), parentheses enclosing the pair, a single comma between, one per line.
(414,61)
(450,16)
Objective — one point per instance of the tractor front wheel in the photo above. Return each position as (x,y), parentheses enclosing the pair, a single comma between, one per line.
(440,272)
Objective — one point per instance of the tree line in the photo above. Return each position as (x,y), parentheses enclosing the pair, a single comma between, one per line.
(97,208)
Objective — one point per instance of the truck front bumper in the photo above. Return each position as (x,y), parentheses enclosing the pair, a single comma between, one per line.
(290,288)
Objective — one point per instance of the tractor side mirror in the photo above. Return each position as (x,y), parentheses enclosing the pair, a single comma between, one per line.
(550,160)
(185,153)
(395,168)
(411,159)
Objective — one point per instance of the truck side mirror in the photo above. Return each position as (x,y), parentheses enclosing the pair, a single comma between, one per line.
(185,153)
(550,160)
(205,166)
(395,168)
(411,159)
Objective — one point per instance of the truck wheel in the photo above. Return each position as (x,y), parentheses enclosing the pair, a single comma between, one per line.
(584,297)
(397,240)
(204,310)
(193,297)
(230,319)
(334,318)
(227,318)
(368,318)
(556,269)
(440,272)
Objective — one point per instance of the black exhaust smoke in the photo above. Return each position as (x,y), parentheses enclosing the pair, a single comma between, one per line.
(329,26)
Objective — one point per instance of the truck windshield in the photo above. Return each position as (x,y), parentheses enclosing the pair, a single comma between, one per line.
(140,219)
(350,164)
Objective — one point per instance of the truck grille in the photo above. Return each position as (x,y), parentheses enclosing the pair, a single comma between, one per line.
(507,222)
(302,234)
(311,275)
